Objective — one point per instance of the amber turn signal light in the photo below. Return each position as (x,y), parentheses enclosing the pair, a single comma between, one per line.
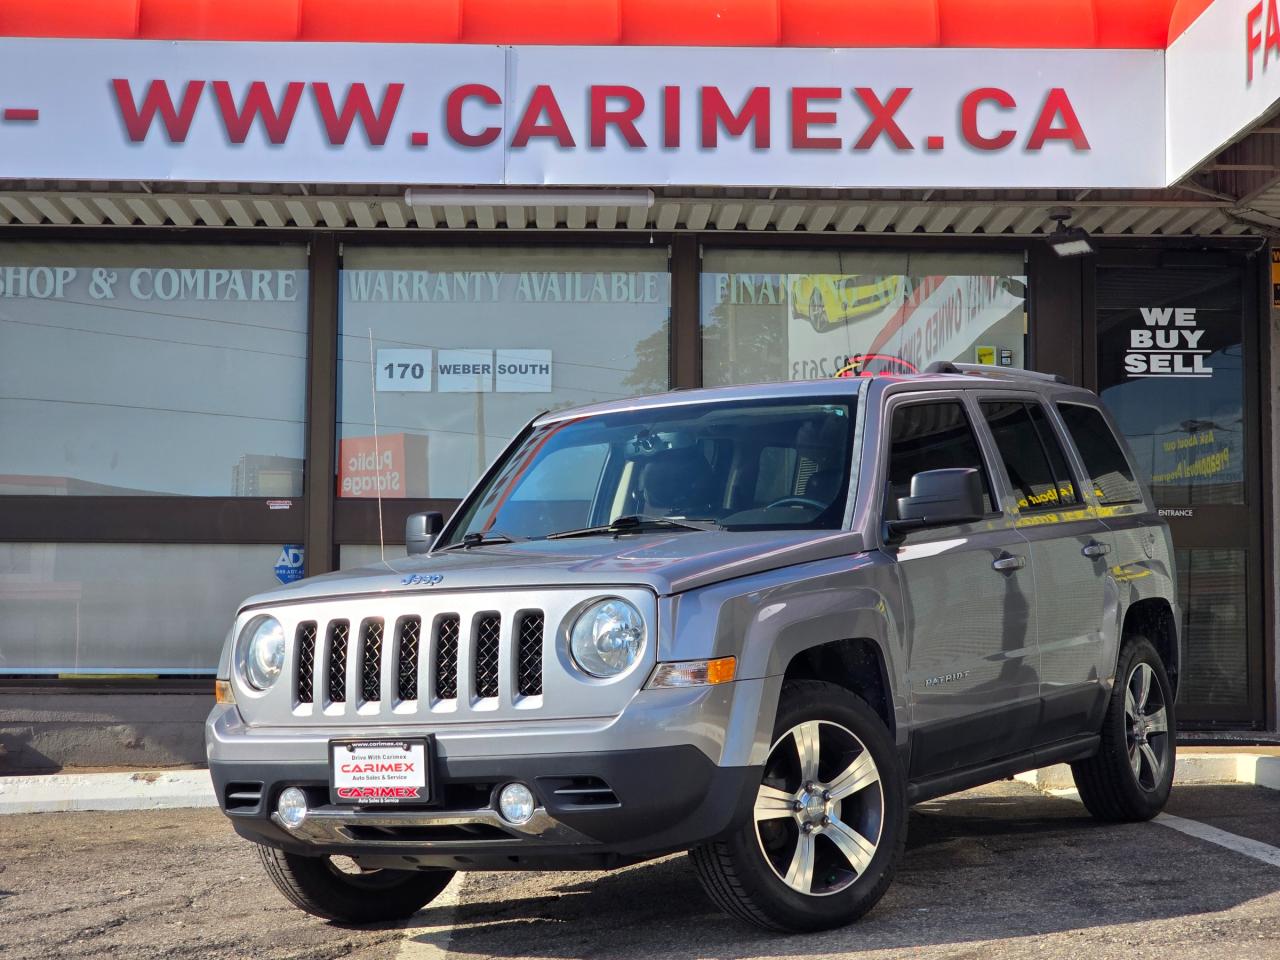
(694,673)
(222,692)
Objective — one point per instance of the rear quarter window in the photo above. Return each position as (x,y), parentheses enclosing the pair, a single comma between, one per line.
(1109,469)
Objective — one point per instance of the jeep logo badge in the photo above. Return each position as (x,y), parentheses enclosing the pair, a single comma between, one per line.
(421,580)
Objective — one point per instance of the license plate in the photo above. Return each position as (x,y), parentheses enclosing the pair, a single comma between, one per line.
(379,771)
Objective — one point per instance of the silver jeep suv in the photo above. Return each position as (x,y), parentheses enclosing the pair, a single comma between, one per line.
(753,623)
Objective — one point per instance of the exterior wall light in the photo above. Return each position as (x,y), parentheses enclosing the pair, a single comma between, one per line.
(1068,241)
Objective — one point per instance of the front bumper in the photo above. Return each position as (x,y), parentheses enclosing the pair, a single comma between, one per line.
(595,810)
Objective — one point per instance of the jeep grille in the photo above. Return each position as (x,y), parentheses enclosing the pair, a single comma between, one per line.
(381,666)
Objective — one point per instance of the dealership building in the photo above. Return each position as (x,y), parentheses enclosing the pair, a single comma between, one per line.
(234,237)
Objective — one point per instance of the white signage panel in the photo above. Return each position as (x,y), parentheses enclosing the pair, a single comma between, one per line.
(609,116)
(403,371)
(522,371)
(1222,75)
(464,371)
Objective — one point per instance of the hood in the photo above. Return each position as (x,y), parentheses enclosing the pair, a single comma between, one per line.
(666,562)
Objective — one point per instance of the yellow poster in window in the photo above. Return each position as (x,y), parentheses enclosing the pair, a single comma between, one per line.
(985,354)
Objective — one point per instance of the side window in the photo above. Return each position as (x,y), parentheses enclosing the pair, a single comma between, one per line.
(1032,456)
(929,436)
(1109,469)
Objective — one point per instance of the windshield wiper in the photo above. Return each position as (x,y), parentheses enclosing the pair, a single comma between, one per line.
(634,523)
(478,539)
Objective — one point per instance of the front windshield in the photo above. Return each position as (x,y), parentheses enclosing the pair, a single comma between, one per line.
(774,464)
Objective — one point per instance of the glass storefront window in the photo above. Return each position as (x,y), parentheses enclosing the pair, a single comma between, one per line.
(797,315)
(1171,369)
(1211,592)
(152,369)
(123,608)
(469,344)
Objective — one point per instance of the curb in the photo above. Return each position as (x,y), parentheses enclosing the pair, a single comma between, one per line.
(143,790)
(1254,769)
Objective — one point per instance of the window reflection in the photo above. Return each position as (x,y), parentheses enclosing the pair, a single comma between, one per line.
(468,345)
(141,369)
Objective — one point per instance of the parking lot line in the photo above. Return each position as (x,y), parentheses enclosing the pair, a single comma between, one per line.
(1250,848)
(427,933)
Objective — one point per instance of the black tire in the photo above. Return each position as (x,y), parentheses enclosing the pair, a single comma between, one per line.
(316,885)
(1109,785)
(737,873)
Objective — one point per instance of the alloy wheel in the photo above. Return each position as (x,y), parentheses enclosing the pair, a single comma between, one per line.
(819,812)
(1146,721)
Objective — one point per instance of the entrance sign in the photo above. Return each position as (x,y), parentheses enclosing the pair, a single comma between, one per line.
(612,116)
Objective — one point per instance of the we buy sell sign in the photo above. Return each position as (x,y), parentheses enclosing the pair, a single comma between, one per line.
(612,116)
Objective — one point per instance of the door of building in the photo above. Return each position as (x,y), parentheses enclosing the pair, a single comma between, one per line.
(1176,361)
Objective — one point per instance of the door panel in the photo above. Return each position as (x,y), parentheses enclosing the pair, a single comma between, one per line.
(1190,417)
(1069,550)
(971,659)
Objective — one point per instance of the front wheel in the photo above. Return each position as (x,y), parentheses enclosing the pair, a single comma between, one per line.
(324,888)
(1130,777)
(829,823)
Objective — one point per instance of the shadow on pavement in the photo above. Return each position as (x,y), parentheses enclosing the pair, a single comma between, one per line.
(1008,863)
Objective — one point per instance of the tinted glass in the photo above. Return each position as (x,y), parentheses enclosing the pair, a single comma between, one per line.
(762,464)
(798,315)
(1171,372)
(929,436)
(1067,495)
(468,345)
(123,608)
(1212,589)
(1037,484)
(1109,470)
(152,369)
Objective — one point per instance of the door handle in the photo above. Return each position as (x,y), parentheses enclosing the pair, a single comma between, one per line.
(1006,562)
(1094,549)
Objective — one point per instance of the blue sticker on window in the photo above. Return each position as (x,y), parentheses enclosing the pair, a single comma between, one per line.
(289,566)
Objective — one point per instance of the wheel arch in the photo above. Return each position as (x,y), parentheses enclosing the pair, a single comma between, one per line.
(856,664)
(1153,618)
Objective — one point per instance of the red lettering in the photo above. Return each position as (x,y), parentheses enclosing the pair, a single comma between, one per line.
(969,118)
(716,113)
(1272,43)
(453,114)
(802,118)
(541,101)
(624,119)
(137,119)
(376,125)
(671,116)
(882,118)
(1057,104)
(257,103)
(1253,39)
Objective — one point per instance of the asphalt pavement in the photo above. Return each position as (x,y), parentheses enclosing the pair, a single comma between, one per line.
(1001,872)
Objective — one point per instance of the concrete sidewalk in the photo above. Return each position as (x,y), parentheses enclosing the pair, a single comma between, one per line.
(140,790)
(160,789)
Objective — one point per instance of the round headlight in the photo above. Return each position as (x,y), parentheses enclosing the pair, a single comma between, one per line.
(264,652)
(607,637)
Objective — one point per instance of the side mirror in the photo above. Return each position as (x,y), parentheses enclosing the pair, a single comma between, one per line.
(420,531)
(938,498)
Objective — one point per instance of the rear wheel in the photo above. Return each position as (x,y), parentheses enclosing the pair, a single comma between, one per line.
(829,822)
(334,889)
(1131,775)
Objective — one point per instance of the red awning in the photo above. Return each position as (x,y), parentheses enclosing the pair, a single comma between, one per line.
(1144,24)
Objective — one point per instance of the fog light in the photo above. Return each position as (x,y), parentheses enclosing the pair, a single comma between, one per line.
(292,807)
(515,803)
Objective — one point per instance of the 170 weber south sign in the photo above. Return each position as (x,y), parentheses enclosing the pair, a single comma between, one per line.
(484,115)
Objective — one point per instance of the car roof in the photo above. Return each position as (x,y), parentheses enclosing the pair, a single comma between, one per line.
(958,376)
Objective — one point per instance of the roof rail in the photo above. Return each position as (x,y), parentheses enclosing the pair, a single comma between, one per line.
(988,369)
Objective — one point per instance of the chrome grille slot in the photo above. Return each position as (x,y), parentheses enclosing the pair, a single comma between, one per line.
(488,629)
(447,630)
(410,630)
(529,654)
(305,683)
(371,661)
(339,631)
